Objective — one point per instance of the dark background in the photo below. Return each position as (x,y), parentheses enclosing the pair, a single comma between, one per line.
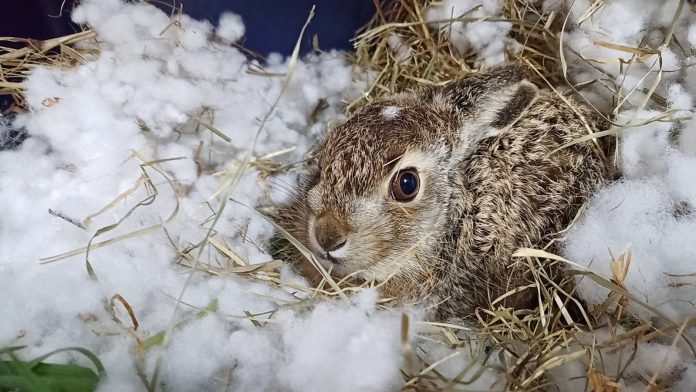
(271,25)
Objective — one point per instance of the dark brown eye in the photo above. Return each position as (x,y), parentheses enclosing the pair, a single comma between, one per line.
(405,185)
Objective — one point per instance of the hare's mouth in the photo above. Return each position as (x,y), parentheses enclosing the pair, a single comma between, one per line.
(337,266)
(332,259)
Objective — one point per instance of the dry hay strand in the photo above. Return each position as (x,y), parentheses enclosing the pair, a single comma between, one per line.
(533,349)
(406,52)
(19,56)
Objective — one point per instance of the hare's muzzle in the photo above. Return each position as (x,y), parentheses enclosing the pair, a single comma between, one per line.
(330,233)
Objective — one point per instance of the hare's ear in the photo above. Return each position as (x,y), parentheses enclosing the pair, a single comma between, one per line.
(492,101)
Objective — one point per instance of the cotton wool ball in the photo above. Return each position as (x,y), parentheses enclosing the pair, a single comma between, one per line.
(680,177)
(124,28)
(43,87)
(619,214)
(642,212)
(274,59)
(368,343)
(643,146)
(152,21)
(486,37)
(626,23)
(194,33)
(489,40)
(335,75)
(256,356)
(687,137)
(180,164)
(230,27)
(691,37)
(290,278)
(236,296)
(298,351)
(670,61)
(194,358)
(119,378)
(678,98)
(119,29)
(94,12)
(209,66)
(402,51)
(613,21)
(632,82)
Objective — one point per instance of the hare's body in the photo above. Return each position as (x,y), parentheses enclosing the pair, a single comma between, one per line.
(513,192)
(474,160)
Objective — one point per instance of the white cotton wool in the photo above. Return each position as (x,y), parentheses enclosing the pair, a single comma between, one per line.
(570,376)
(678,98)
(335,346)
(680,176)
(643,146)
(639,213)
(692,36)
(487,39)
(180,165)
(151,94)
(121,378)
(612,22)
(671,63)
(196,357)
(652,358)
(194,34)
(207,65)
(352,333)
(687,137)
(122,29)
(590,46)
(230,27)
(402,51)
(650,209)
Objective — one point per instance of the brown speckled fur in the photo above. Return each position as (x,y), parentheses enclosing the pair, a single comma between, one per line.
(479,203)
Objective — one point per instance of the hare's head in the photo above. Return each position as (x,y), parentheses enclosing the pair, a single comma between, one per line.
(380,199)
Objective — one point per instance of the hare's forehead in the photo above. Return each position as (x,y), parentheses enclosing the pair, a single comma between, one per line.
(354,169)
(360,154)
(364,180)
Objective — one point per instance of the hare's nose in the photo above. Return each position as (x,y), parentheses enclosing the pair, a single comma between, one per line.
(330,233)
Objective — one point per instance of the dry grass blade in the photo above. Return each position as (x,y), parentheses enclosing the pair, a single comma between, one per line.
(431,59)
(18,56)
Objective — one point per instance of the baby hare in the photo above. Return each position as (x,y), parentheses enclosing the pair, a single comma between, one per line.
(431,193)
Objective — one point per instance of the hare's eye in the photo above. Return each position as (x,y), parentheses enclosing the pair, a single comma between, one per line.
(405,185)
